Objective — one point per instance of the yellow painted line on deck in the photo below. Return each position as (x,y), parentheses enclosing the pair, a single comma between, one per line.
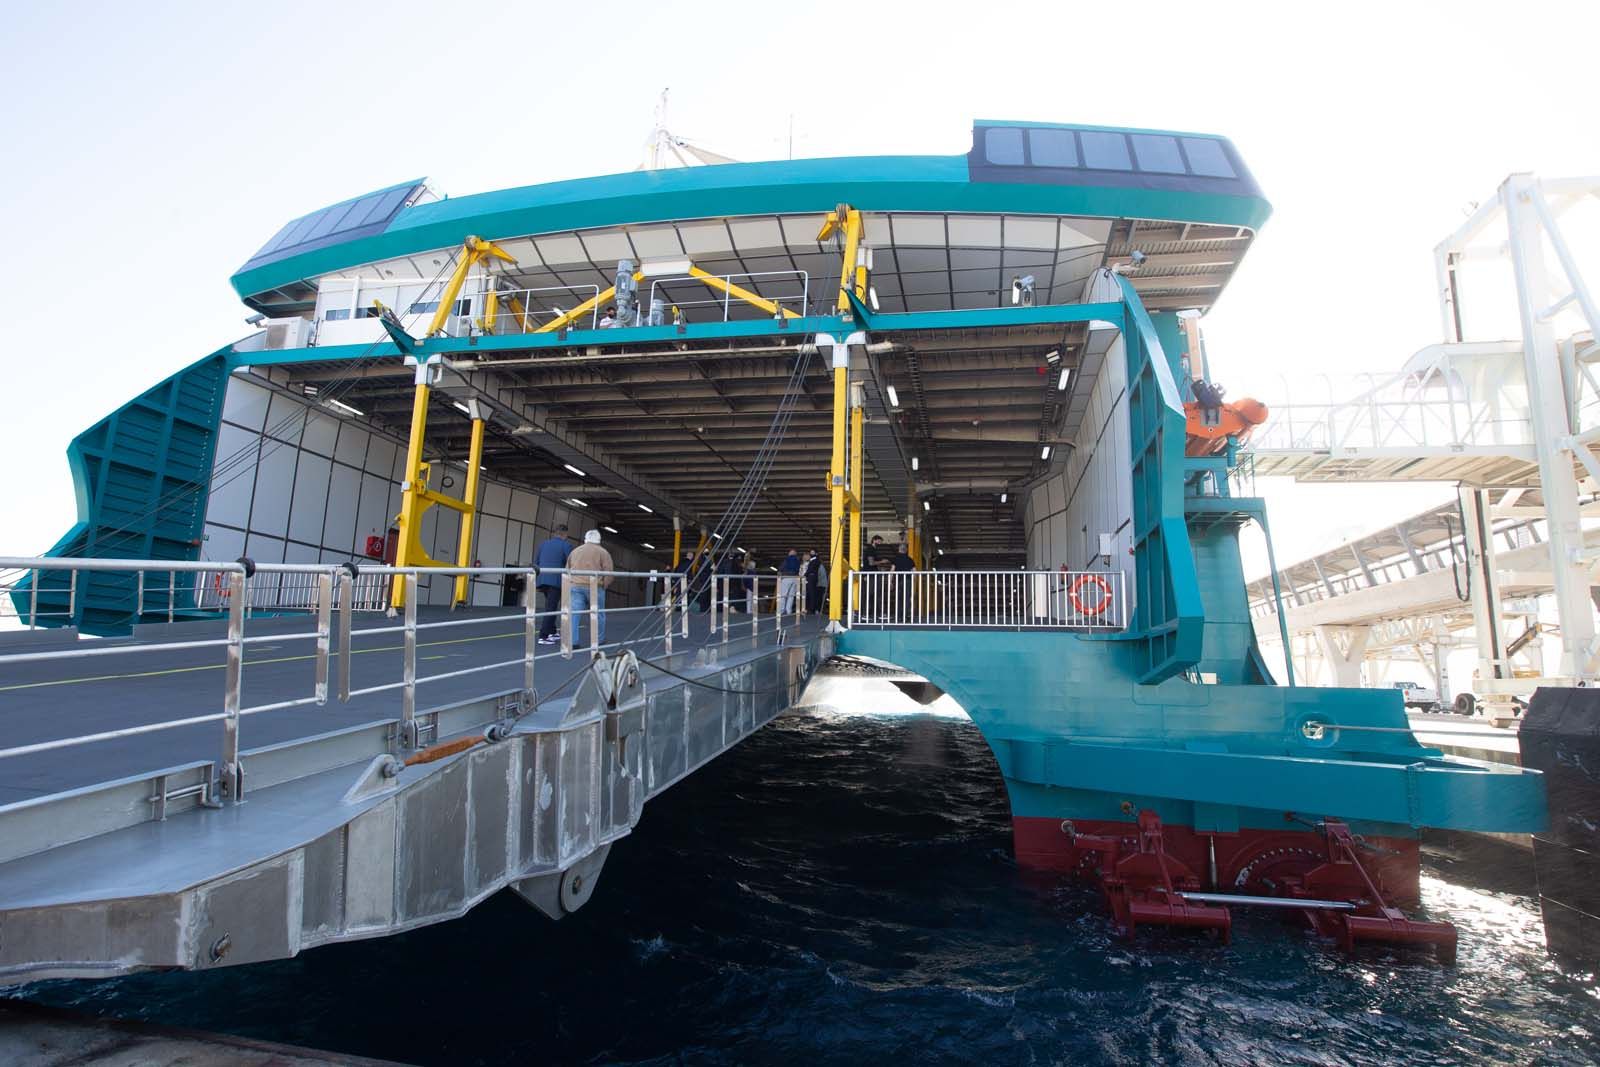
(250,663)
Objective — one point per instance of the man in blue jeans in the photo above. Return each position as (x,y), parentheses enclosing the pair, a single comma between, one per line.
(551,558)
(588,557)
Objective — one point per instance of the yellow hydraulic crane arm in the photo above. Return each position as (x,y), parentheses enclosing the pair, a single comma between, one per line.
(474,250)
(740,293)
(846,220)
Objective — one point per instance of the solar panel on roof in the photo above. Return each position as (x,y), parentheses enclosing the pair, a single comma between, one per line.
(344,221)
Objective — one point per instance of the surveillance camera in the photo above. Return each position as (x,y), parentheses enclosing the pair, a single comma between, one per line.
(1138,258)
(255,320)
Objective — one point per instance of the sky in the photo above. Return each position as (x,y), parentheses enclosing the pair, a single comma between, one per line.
(152,147)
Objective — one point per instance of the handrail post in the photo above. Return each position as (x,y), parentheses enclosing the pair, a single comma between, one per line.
(755,612)
(408,699)
(727,617)
(716,582)
(565,621)
(172,592)
(683,606)
(232,773)
(668,595)
(324,632)
(33,601)
(530,633)
(138,598)
(594,615)
(347,603)
(72,598)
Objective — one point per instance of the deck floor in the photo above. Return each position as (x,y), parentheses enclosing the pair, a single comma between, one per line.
(50,699)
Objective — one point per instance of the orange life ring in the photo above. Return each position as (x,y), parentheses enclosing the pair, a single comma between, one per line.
(223,592)
(1105,594)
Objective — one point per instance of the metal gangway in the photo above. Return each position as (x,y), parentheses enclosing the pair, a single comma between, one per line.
(1513,423)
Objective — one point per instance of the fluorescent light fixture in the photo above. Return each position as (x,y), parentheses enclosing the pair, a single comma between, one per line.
(717,536)
(1003,497)
(459,406)
(648,545)
(575,501)
(914,462)
(660,268)
(609,529)
(926,506)
(1053,356)
(341,406)
(647,507)
(575,470)
(872,295)
(894,397)
(1044,453)
(941,552)
(1061,382)
(774,570)
(935,538)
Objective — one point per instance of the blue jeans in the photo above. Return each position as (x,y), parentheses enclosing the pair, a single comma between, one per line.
(580,612)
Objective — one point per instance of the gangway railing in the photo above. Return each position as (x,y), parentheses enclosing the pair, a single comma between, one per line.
(1453,400)
(993,599)
(793,293)
(736,604)
(330,606)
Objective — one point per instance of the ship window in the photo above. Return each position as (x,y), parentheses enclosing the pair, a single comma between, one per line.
(1052,148)
(1002,145)
(1207,158)
(368,312)
(1105,151)
(334,314)
(424,307)
(1158,154)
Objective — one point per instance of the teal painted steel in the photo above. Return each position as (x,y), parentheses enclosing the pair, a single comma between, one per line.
(1076,736)
(752,329)
(1168,618)
(142,478)
(871,183)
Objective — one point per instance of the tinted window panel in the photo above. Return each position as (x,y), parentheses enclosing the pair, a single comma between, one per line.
(1158,154)
(1105,151)
(1207,158)
(1002,145)
(1052,148)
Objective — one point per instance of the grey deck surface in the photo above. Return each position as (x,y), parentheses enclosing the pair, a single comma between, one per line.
(42,701)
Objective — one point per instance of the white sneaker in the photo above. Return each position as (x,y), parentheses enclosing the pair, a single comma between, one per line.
(552,639)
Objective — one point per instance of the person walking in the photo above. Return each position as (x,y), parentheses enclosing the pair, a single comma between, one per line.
(749,584)
(551,558)
(788,582)
(813,582)
(903,564)
(588,557)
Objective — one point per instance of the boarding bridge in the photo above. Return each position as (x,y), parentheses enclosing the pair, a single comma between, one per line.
(1513,423)
(1410,592)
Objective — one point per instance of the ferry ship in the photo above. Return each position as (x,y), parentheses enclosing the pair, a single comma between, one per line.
(992,359)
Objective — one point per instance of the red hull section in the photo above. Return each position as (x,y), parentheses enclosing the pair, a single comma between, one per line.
(1249,861)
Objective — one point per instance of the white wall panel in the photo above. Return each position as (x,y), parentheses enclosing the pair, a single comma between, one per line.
(269,512)
(310,499)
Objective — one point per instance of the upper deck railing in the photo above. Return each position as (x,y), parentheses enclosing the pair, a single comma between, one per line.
(993,600)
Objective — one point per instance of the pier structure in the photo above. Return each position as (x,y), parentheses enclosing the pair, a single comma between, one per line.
(287,680)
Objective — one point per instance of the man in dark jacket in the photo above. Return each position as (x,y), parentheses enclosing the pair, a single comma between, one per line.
(551,558)
(812,574)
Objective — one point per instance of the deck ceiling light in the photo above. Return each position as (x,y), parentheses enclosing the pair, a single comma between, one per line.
(1044,453)
(872,297)
(926,506)
(339,405)
(1053,356)
(1061,382)
(576,502)
(716,537)
(575,470)
(1003,497)
(913,462)
(647,544)
(894,398)
(609,529)
(647,507)
(935,538)
(459,406)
